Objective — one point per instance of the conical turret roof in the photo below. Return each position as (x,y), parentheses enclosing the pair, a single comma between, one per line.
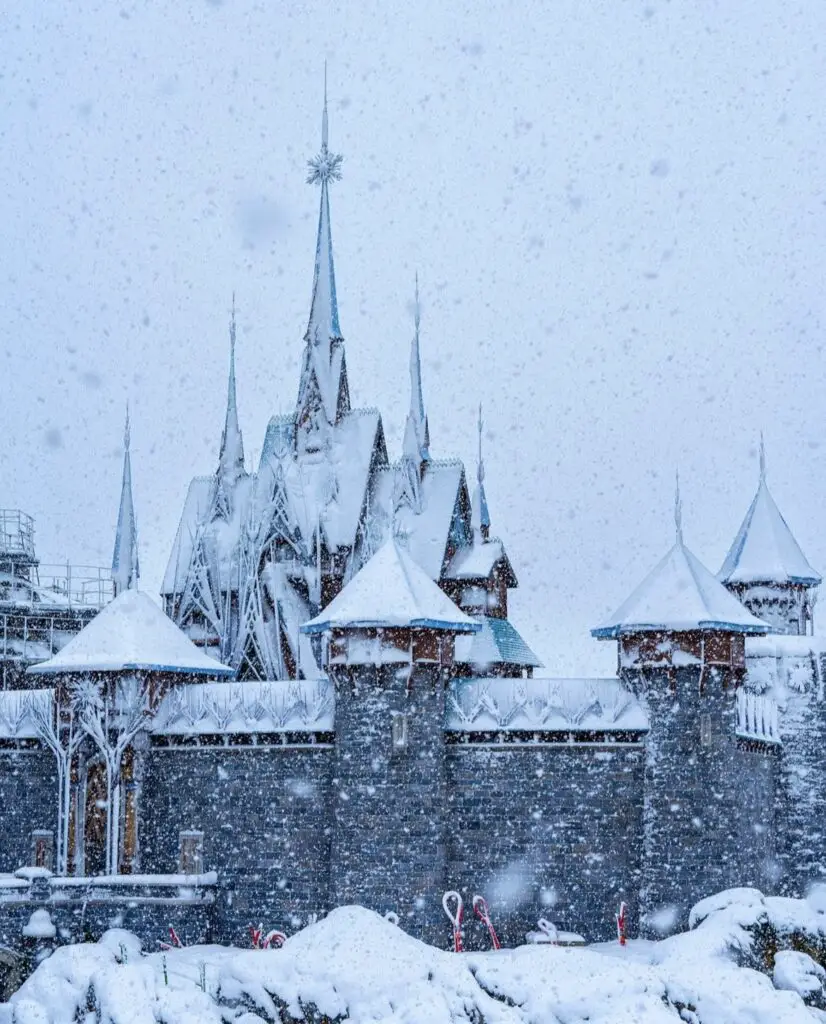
(391,590)
(680,595)
(765,550)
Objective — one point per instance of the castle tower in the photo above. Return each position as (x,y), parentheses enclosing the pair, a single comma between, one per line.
(766,569)
(388,648)
(708,801)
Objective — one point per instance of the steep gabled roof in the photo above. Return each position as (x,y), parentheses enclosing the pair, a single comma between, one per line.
(391,590)
(764,550)
(497,642)
(678,595)
(131,633)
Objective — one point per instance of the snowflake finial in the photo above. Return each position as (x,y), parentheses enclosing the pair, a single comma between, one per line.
(480,465)
(326,166)
(127,430)
(762,458)
(232,324)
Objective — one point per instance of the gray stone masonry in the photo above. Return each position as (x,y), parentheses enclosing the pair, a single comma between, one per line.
(708,820)
(264,814)
(388,805)
(28,801)
(547,831)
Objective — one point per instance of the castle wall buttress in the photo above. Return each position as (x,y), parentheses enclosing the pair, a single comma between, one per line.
(709,816)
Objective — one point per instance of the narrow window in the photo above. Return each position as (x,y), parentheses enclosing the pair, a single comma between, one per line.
(399,732)
(705,730)
(43,849)
(191,853)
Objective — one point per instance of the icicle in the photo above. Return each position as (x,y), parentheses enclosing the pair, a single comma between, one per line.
(125,566)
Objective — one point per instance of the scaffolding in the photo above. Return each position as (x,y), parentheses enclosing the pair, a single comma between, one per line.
(41,606)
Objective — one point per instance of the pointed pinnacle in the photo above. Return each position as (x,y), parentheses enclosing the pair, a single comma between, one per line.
(127,431)
(678,510)
(232,323)
(762,458)
(480,465)
(417,313)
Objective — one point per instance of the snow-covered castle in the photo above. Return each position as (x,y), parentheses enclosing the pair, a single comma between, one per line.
(333,705)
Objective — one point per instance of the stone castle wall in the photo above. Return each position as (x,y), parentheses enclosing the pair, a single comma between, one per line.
(546,831)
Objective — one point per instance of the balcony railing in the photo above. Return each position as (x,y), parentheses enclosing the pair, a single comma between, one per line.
(57,586)
(16,534)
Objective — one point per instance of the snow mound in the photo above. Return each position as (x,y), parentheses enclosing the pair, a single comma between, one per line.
(356,966)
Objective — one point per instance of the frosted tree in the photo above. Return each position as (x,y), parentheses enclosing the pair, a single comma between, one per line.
(112,715)
(60,730)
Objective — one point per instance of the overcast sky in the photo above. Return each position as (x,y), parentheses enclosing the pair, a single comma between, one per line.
(616,209)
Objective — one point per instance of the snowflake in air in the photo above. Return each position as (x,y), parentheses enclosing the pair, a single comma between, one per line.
(324,167)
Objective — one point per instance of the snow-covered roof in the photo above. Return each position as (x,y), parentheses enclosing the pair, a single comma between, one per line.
(496,642)
(199,709)
(764,550)
(680,594)
(426,532)
(547,705)
(131,633)
(391,590)
(478,560)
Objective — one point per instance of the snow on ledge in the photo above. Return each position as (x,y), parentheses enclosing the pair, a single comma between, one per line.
(290,705)
(549,705)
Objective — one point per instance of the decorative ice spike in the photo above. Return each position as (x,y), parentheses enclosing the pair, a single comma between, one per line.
(323,359)
(480,516)
(231,458)
(125,567)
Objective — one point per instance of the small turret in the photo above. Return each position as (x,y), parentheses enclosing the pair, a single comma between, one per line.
(681,650)
(766,569)
(231,457)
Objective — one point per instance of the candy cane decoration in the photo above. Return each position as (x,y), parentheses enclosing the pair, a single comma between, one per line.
(549,929)
(621,924)
(454,918)
(274,939)
(480,908)
(174,941)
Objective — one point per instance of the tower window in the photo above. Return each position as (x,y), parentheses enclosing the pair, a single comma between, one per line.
(191,853)
(400,732)
(43,849)
(705,730)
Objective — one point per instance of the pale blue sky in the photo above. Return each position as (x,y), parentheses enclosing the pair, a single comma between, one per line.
(617,211)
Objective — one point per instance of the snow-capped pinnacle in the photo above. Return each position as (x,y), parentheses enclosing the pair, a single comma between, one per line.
(125,566)
(479,513)
(765,549)
(231,458)
(678,510)
(417,414)
(323,388)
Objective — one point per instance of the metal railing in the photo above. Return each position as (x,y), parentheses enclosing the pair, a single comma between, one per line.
(757,717)
(56,586)
(16,533)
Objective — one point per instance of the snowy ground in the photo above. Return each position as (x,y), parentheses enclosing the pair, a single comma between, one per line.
(355,965)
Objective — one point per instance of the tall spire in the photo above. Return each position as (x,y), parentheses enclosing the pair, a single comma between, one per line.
(479,515)
(417,414)
(323,357)
(231,458)
(678,510)
(762,459)
(125,568)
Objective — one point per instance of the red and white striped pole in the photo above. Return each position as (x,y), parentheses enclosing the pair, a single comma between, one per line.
(455,917)
(621,924)
(480,908)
